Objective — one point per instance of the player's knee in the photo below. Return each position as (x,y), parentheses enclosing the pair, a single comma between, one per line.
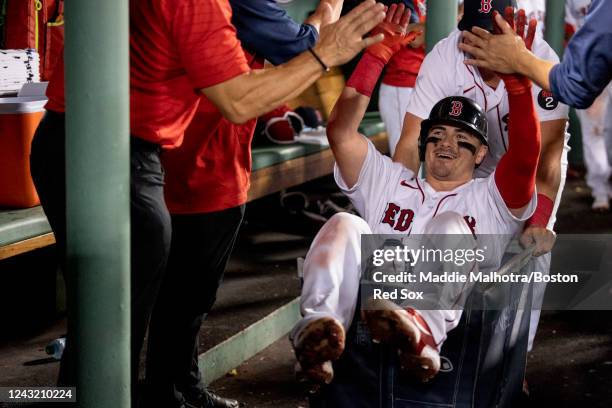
(448,222)
(345,223)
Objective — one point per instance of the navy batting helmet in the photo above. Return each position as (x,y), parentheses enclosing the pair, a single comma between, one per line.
(456,111)
(480,13)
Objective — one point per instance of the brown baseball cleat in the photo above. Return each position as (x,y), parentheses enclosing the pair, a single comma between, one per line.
(406,330)
(318,344)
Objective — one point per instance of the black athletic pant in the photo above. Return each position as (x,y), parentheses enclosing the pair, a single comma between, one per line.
(150,228)
(201,245)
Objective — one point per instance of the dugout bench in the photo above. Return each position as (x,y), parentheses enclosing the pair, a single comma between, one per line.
(275,168)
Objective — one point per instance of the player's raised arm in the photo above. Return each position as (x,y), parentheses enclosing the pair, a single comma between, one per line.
(515,175)
(348,146)
(253,93)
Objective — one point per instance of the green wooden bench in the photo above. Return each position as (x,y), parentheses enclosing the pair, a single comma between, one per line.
(23,230)
(279,167)
(274,168)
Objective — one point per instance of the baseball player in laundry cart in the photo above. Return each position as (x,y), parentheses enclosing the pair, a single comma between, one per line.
(445,73)
(392,199)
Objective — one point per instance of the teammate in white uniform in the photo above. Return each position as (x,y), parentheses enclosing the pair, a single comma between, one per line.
(398,81)
(534,9)
(444,73)
(393,200)
(593,124)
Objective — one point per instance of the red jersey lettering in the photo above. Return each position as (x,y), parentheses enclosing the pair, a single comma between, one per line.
(405,220)
(390,213)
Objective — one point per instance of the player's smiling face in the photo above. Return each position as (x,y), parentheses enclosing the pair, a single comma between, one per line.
(452,153)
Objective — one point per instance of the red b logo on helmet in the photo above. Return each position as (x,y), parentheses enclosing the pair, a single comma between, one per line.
(456,108)
(485,6)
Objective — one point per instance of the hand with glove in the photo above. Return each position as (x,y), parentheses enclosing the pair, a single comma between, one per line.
(396,30)
(516,84)
(397,33)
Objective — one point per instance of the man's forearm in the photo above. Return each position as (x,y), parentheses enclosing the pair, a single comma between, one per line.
(549,167)
(407,149)
(256,92)
(536,69)
(346,116)
(548,178)
(516,172)
(349,147)
(353,102)
(259,91)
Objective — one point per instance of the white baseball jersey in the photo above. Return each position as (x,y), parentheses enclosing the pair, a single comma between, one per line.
(443,73)
(393,201)
(534,9)
(576,11)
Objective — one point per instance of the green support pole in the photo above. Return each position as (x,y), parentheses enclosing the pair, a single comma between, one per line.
(441,20)
(554,34)
(97,198)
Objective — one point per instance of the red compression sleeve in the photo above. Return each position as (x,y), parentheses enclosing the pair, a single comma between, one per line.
(515,175)
(366,74)
(542,212)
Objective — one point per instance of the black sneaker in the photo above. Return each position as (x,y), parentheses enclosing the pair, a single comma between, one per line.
(208,399)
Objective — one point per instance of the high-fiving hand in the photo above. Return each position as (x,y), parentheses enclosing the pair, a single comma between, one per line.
(500,52)
(396,30)
(339,42)
(516,83)
(517,24)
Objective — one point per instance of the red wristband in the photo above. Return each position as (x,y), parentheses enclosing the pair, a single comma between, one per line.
(542,212)
(516,84)
(366,74)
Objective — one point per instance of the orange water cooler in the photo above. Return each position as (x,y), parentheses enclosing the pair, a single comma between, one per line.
(19,117)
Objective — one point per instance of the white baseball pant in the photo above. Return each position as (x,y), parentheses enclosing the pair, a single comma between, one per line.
(542,263)
(332,273)
(392,104)
(592,123)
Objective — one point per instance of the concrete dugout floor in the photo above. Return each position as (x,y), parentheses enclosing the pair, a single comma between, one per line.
(570,366)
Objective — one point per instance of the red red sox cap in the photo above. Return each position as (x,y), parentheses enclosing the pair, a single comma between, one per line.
(480,13)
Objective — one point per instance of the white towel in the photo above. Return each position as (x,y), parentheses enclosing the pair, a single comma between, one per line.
(18,67)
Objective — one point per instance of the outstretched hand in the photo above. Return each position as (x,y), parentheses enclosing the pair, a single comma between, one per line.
(327,12)
(396,30)
(516,24)
(516,83)
(502,50)
(339,42)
